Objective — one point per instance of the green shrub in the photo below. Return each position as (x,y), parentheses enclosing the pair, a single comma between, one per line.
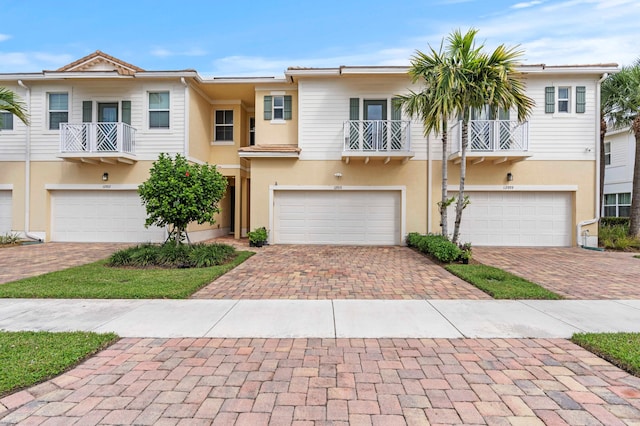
(171,255)
(9,239)
(611,221)
(437,246)
(615,237)
(258,237)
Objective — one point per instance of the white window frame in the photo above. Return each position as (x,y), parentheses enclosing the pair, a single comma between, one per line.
(607,153)
(50,110)
(566,99)
(275,108)
(152,110)
(617,203)
(216,125)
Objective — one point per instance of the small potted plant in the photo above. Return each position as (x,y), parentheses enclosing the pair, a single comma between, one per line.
(258,237)
(465,253)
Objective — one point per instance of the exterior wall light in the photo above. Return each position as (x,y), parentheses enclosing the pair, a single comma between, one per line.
(509,177)
(338,175)
(105,176)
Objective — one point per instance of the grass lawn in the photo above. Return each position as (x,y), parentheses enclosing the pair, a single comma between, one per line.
(98,281)
(620,349)
(500,284)
(30,357)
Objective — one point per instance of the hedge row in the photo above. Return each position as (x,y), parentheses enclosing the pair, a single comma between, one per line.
(437,246)
(613,221)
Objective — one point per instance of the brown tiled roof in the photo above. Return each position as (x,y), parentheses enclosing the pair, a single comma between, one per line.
(124,67)
(270,148)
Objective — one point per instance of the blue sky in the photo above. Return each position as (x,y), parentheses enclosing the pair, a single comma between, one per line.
(263,38)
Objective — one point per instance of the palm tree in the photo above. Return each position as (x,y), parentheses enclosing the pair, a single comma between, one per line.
(478,80)
(433,107)
(10,102)
(620,103)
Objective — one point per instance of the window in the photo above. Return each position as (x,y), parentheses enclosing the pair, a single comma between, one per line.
(607,153)
(617,205)
(252,131)
(58,110)
(224,125)
(277,107)
(6,121)
(158,110)
(563,99)
(581,99)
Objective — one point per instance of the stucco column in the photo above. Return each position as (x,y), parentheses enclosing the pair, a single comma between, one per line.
(237,209)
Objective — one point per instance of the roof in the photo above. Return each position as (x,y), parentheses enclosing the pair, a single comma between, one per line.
(99,59)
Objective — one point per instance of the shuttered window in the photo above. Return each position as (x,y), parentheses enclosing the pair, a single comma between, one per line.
(581,99)
(278,107)
(354,109)
(267,107)
(549,99)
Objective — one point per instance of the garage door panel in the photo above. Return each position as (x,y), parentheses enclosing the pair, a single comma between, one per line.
(337,217)
(516,218)
(100,216)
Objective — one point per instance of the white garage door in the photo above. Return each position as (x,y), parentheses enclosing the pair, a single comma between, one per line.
(100,216)
(337,217)
(516,219)
(5,212)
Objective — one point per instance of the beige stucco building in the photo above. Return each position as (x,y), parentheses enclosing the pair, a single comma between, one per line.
(317,156)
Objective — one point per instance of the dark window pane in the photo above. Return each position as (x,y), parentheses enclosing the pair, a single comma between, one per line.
(610,211)
(278,114)
(159,119)
(624,211)
(55,118)
(6,121)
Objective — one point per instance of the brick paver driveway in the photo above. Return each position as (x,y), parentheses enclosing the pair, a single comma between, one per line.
(338,272)
(574,273)
(312,381)
(29,260)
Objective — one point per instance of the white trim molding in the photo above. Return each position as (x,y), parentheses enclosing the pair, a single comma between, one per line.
(6,187)
(90,187)
(512,188)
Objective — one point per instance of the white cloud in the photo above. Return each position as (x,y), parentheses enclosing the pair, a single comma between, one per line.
(526,4)
(32,61)
(166,53)
(4,37)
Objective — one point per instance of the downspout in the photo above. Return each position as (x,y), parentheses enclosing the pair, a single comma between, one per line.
(27,170)
(186,117)
(597,186)
(429,183)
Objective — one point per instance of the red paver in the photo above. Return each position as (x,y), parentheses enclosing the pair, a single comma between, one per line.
(583,392)
(338,272)
(36,259)
(574,273)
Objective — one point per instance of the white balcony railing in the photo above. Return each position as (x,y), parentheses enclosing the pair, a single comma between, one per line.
(97,138)
(492,136)
(385,136)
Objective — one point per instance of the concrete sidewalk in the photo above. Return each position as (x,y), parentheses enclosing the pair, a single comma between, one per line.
(323,318)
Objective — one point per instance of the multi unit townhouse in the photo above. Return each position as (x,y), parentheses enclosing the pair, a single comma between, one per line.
(318,156)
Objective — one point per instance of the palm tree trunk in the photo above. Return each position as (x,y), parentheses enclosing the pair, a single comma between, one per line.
(634,215)
(460,205)
(445,197)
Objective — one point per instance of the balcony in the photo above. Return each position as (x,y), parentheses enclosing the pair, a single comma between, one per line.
(98,143)
(498,141)
(377,140)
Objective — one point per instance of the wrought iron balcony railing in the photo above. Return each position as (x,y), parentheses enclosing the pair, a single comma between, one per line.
(97,138)
(383,136)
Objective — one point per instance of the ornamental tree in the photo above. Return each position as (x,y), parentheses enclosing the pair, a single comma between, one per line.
(178,192)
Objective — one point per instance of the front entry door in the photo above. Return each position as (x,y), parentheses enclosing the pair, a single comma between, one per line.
(375,116)
(107,128)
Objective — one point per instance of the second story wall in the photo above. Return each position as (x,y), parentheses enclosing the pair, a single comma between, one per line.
(276,115)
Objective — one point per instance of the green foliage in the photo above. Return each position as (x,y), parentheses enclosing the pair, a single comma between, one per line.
(437,246)
(500,284)
(620,349)
(612,220)
(259,236)
(10,102)
(9,239)
(98,281)
(178,193)
(616,237)
(30,357)
(171,255)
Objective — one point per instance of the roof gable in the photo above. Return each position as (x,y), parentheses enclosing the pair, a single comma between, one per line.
(99,61)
